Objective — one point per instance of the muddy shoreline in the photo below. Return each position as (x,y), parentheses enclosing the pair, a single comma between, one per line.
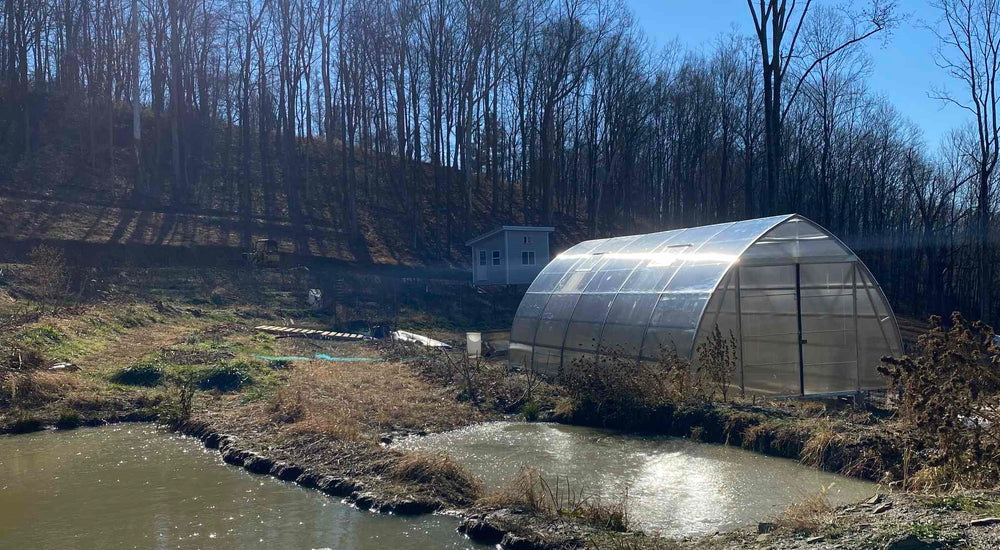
(512,529)
(891,518)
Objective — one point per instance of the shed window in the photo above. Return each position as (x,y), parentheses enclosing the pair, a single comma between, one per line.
(496,257)
(482,257)
(528,258)
(527,239)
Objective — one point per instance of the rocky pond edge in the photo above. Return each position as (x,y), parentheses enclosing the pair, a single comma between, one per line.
(510,529)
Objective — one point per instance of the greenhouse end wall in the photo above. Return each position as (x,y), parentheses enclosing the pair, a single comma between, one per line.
(807,316)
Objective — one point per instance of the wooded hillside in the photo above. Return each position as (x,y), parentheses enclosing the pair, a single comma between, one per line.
(392,130)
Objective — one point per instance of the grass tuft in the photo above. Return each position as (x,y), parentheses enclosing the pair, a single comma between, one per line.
(226,378)
(440,471)
(808,516)
(530,491)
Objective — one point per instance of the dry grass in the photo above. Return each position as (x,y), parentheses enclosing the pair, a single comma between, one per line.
(529,490)
(809,516)
(34,389)
(348,398)
(931,479)
(816,448)
(439,471)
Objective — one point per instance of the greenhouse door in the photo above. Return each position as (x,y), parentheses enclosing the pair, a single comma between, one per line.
(827,321)
(769,321)
(798,328)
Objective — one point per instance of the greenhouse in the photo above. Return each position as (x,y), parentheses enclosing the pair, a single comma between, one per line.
(806,315)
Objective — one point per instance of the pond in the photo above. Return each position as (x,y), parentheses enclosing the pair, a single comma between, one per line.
(137,486)
(675,486)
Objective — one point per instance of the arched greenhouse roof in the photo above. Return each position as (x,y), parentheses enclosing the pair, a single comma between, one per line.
(806,314)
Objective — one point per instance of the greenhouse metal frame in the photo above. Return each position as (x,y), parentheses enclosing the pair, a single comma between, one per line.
(807,315)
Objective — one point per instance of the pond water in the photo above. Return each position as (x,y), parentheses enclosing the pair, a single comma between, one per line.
(136,486)
(675,486)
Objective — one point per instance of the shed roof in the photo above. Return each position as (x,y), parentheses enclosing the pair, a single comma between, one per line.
(509,228)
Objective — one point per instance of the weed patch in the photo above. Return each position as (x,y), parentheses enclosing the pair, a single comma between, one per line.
(145,374)
(811,515)
(226,378)
(69,420)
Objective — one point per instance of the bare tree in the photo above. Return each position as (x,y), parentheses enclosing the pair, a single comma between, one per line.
(969,51)
(778,25)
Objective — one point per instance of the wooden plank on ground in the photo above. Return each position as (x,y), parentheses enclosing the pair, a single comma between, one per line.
(310,333)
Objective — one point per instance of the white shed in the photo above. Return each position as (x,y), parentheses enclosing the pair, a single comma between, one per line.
(509,255)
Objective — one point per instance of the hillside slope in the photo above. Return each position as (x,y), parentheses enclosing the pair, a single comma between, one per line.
(102,215)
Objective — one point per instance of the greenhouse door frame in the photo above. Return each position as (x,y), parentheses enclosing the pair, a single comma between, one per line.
(854,279)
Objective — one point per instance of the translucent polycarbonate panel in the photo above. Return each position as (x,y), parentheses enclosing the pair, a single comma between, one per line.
(698,277)
(613,274)
(583,336)
(769,318)
(877,333)
(519,355)
(593,308)
(560,306)
(654,276)
(797,239)
(580,275)
(626,323)
(625,340)
(583,271)
(678,309)
(532,305)
(551,333)
(662,340)
(546,359)
(647,244)
(643,294)
(633,309)
(731,241)
(523,330)
(721,313)
(829,354)
(560,265)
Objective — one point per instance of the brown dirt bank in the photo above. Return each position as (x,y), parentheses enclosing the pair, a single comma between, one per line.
(897,521)
(829,436)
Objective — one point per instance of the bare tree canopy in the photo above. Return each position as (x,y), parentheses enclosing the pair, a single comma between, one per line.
(969,51)
(400,128)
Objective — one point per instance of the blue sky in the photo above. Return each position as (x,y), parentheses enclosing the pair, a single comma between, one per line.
(903,69)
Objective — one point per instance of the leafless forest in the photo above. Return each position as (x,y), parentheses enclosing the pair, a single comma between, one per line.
(458,114)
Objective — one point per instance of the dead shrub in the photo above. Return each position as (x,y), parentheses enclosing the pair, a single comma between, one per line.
(440,471)
(949,403)
(620,390)
(718,361)
(49,272)
(530,491)
(32,388)
(17,358)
